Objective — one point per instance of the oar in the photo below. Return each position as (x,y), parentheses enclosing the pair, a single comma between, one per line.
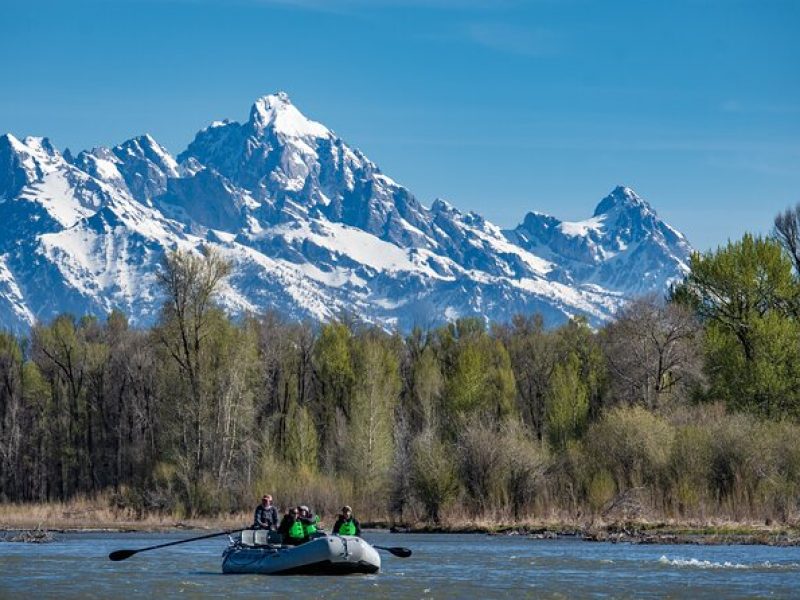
(123,554)
(396,550)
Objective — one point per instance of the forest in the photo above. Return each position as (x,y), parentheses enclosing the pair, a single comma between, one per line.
(685,406)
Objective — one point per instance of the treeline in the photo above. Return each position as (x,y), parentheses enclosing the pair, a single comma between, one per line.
(683,407)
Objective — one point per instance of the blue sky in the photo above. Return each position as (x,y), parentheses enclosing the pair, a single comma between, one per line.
(500,106)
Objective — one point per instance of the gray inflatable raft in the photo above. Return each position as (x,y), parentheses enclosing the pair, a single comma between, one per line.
(325,555)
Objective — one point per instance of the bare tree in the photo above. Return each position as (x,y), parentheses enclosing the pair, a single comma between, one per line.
(653,352)
(787,231)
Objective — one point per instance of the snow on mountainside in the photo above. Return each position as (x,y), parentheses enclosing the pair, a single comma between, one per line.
(624,246)
(312,227)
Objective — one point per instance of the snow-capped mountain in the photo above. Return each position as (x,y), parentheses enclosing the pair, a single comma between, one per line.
(624,231)
(312,227)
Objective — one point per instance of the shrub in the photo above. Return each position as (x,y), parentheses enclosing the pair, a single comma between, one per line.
(526,461)
(433,474)
(483,465)
(632,444)
(689,468)
(600,490)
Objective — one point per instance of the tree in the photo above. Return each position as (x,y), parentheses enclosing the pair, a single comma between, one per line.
(745,295)
(653,352)
(370,444)
(334,377)
(787,232)
(739,283)
(576,338)
(567,404)
(427,385)
(71,356)
(186,332)
(533,352)
(480,382)
(12,418)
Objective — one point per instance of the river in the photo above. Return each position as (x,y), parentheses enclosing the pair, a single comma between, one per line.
(442,566)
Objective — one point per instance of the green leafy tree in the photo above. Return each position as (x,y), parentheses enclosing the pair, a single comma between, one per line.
(376,392)
(427,387)
(334,377)
(746,296)
(302,442)
(567,404)
(481,381)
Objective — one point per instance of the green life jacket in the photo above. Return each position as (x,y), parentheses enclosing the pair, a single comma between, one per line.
(312,527)
(347,528)
(296,531)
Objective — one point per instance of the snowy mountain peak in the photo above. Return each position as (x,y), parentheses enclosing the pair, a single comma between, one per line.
(145,147)
(623,198)
(37,148)
(624,246)
(440,205)
(312,227)
(277,112)
(11,142)
(24,162)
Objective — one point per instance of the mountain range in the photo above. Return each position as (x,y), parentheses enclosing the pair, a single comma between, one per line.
(312,227)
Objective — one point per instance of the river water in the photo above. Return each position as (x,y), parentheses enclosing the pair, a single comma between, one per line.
(442,566)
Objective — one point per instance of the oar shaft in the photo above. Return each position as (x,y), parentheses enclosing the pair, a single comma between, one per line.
(118,555)
(194,539)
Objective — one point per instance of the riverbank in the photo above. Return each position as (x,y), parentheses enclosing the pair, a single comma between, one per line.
(632,532)
(85,515)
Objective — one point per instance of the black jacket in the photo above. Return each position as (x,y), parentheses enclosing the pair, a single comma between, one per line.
(265,517)
(340,521)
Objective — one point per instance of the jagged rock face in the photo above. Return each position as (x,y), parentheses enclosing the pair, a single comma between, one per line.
(313,228)
(624,246)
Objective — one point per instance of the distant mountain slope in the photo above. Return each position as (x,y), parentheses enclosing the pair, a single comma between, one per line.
(313,228)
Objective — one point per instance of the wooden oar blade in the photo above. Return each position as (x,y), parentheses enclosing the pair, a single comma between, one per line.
(121,554)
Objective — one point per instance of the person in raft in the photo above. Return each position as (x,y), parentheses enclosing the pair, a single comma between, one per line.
(309,520)
(266,516)
(346,523)
(291,528)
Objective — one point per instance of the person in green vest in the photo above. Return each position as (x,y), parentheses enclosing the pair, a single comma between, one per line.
(346,523)
(292,529)
(309,520)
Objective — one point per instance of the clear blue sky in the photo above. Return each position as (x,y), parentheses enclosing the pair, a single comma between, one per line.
(499,106)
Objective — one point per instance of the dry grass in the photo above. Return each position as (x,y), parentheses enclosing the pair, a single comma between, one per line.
(97,513)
